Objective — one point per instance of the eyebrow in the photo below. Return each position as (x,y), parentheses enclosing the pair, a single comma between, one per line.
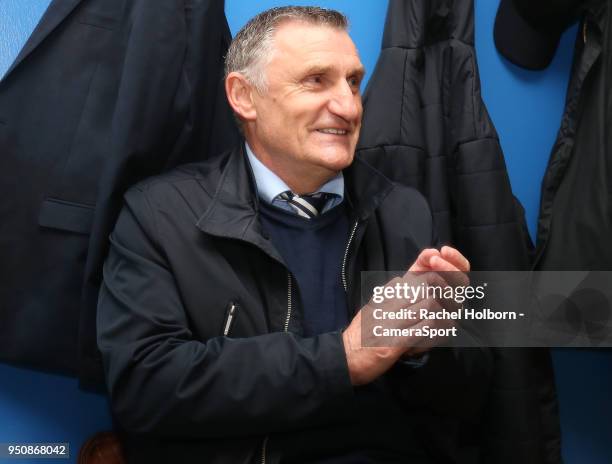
(318,69)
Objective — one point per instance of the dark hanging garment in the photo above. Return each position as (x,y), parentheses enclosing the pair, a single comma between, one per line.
(425,125)
(104,93)
(575,221)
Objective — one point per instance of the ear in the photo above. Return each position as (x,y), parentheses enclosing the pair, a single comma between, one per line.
(239,95)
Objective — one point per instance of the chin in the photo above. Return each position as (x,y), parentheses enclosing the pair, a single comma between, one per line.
(337,165)
(337,160)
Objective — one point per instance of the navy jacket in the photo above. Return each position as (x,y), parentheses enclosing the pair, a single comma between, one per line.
(200,327)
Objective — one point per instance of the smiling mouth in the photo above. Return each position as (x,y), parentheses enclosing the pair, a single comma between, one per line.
(333,131)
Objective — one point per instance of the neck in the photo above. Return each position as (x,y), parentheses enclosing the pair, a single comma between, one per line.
(299,177)
(304,182)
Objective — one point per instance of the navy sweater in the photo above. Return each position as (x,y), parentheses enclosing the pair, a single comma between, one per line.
(313,250)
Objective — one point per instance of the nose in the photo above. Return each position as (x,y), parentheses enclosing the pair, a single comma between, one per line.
(345,103)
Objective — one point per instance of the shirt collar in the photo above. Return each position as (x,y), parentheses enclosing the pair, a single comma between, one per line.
(269,185)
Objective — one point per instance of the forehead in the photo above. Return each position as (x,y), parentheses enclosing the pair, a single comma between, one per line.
(302,44)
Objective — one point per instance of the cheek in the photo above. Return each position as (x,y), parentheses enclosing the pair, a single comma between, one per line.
(272,121)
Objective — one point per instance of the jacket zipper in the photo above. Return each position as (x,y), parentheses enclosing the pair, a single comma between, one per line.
(231,313)
(263,450)
(290,307)
(289,303)
(285,329)
(345,258)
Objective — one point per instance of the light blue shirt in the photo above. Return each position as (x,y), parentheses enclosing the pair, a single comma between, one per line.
(270,186)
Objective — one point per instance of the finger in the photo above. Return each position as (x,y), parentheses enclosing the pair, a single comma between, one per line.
(455,257)
(422,262)
(433,279)
(397,300)
(440,264)
(418,283)
(453,275)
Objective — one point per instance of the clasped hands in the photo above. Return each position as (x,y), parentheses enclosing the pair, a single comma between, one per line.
(367,362)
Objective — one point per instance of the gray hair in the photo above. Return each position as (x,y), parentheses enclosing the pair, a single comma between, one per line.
(251,49)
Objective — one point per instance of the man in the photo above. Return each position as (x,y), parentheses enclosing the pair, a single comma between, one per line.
(229,283)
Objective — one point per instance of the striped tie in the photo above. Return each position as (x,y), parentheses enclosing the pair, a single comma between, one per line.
(306,206)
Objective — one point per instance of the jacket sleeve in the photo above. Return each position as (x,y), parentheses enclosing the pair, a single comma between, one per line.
(163,381)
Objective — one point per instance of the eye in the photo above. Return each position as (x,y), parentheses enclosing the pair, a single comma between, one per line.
(354,82)
(315,79)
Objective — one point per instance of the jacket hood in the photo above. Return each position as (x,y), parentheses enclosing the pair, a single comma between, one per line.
(413,24)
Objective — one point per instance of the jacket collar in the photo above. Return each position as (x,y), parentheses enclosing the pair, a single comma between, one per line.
(233,211)
(365,188)
(57,11)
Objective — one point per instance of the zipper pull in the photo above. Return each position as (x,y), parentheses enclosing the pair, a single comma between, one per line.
(229,318)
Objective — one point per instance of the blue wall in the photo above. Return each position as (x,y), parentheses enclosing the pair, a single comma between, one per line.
(526,108)
(17,19)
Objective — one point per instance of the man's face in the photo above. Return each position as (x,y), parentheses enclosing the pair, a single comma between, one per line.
(307,122)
